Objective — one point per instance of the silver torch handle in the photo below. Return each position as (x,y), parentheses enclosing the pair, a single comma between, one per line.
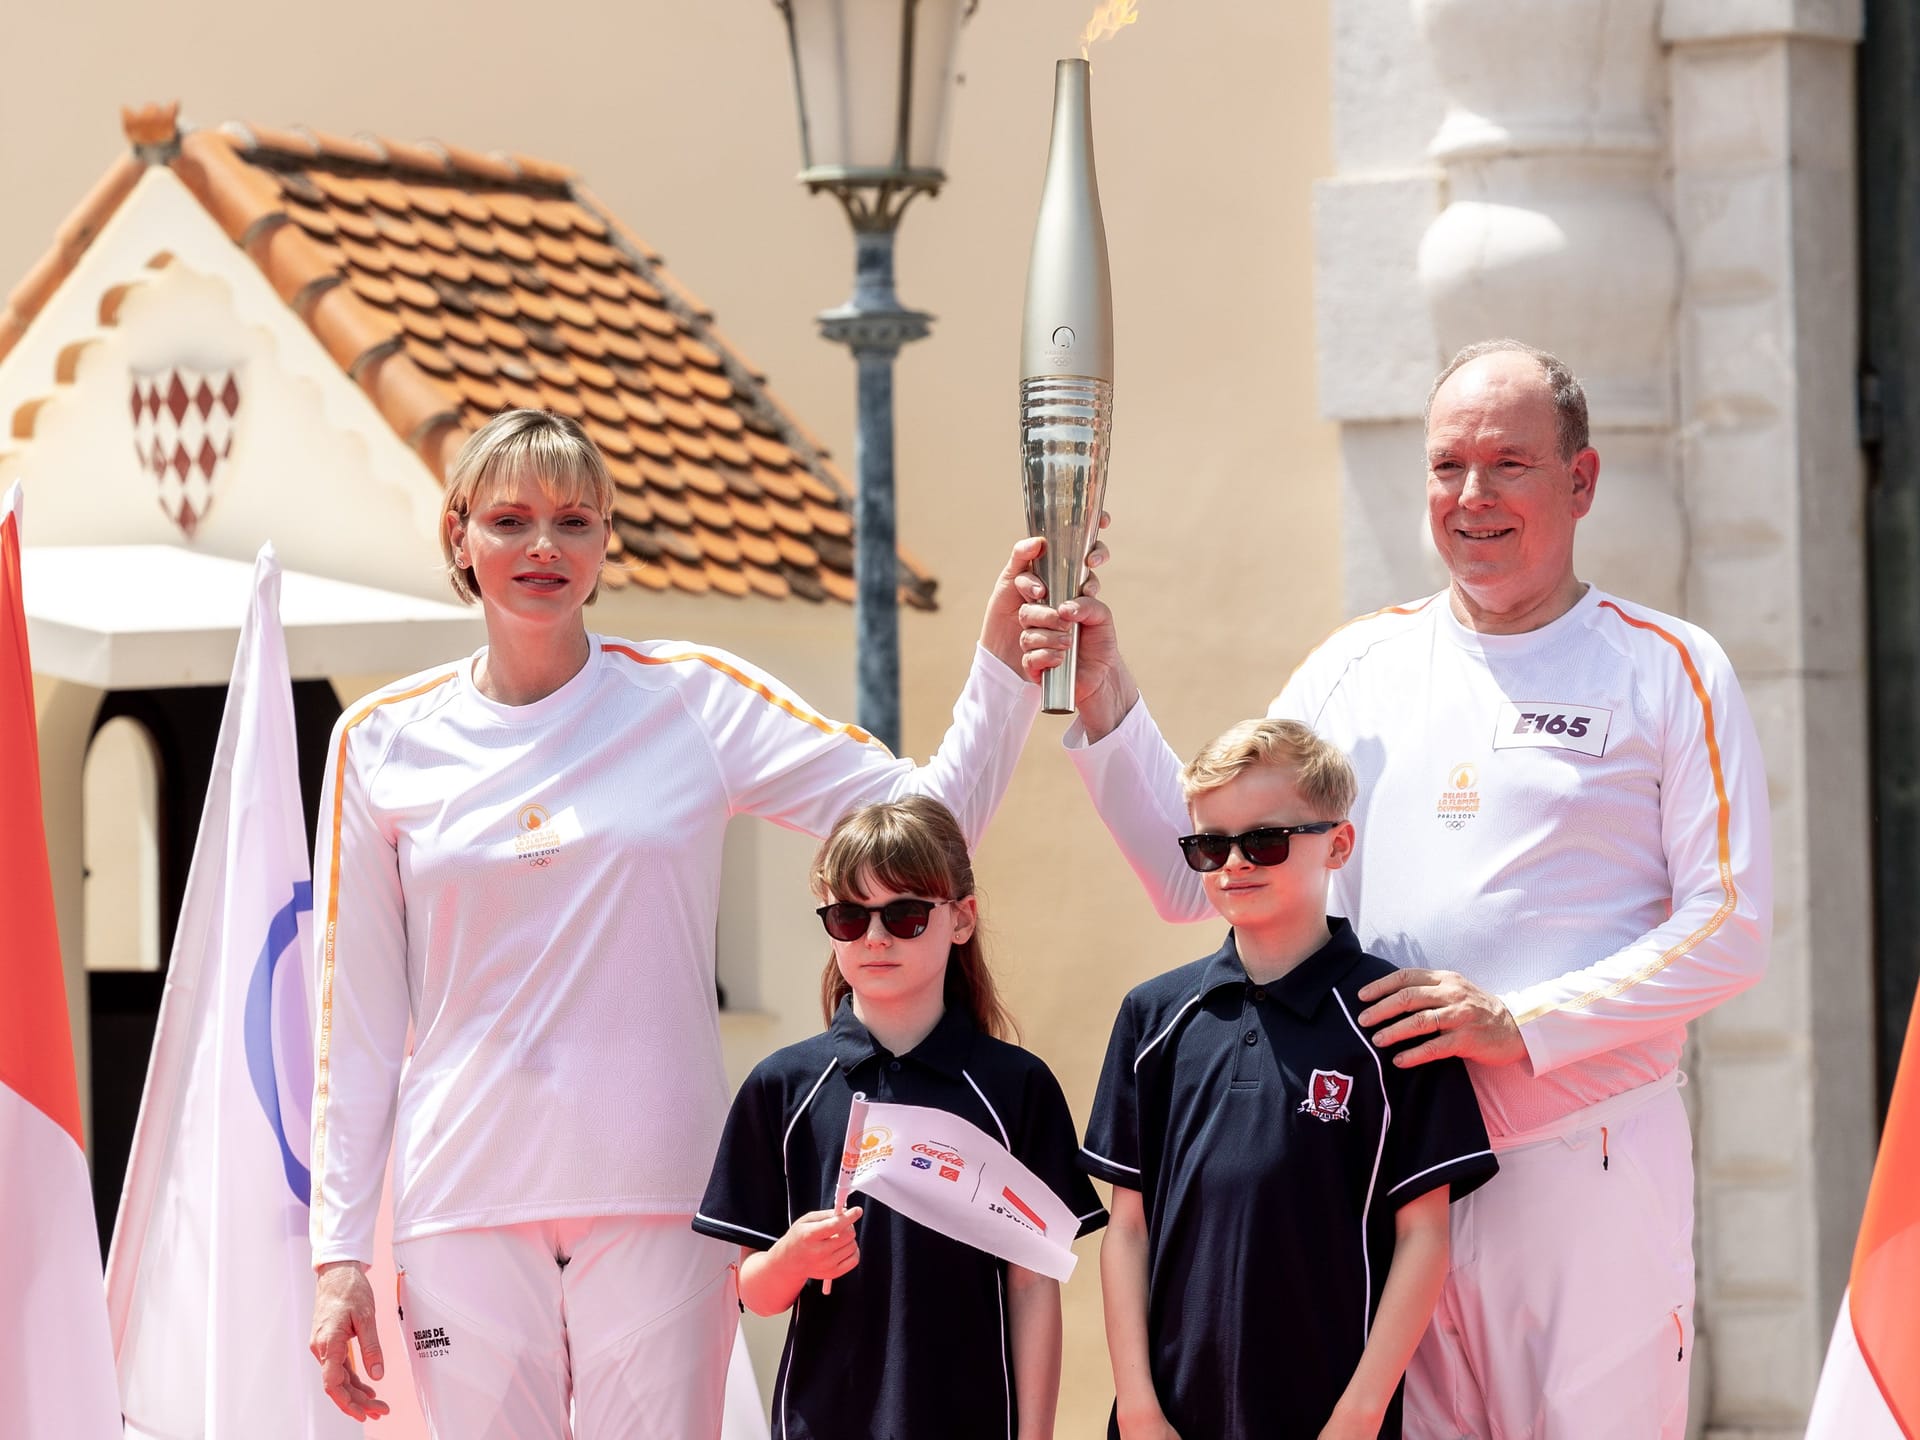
(1066,363)
(1065,422)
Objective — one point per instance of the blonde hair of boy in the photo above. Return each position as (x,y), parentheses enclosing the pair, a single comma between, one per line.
(515,448)
(1320,770)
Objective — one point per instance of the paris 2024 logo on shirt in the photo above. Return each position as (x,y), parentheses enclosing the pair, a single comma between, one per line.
(1327,1095)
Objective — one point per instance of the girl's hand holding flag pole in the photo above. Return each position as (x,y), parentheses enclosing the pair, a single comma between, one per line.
(849,1162)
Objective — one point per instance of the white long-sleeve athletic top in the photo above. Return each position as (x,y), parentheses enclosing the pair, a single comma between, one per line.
(1575,819)
(535,888)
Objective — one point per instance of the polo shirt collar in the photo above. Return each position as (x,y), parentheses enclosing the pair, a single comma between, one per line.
(947,1047)
(1303,988)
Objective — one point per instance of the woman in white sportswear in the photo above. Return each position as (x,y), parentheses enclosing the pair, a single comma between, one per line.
(519,858)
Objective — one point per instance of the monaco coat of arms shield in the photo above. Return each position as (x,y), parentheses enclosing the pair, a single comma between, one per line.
(183,433)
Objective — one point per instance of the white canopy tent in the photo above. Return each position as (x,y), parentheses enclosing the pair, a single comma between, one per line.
(134,617)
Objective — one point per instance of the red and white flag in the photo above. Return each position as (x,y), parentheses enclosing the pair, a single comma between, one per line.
(56,1362)
(1870,1386)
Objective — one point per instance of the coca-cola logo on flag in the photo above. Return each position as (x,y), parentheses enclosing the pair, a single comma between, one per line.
(183,433)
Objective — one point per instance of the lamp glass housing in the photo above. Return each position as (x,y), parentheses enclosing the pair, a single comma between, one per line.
(873,78)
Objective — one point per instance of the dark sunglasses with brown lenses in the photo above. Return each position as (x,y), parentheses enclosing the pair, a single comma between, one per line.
(1268,845)
(904,919)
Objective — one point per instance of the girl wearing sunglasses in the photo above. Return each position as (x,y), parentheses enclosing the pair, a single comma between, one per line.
(919,1335)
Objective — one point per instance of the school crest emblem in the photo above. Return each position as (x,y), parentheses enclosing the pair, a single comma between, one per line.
(1327,1094)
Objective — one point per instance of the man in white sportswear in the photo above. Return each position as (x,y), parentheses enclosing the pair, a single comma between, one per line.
(1563,840)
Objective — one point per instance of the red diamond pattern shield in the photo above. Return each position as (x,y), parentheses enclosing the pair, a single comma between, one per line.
(182,434)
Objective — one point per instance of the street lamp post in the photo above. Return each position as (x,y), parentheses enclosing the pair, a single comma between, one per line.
(872,79)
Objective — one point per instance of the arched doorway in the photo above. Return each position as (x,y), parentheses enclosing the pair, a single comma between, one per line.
(148,763)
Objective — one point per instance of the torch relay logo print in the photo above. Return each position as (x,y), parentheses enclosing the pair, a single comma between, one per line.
(876,1144)
(1327,1094)
(535,839)
(1460,798)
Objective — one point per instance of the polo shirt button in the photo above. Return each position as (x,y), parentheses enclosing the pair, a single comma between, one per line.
(1253,1037)
(1258,993)
(895,1065)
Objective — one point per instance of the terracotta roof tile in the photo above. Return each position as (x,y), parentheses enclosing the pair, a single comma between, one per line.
(670,510)
(423,327)
(268,137)
(435,202)
(463,330)
(757,549)
(766,581)
(716,546)
(789,518)
(730,450)
(604,408)
(449,284)
(776,484)
(750,516)
(409,262)
(651,576)
(805,583)
(687,577)
(726,579)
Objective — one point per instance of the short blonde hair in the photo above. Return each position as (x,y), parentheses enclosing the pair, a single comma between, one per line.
(1321,772)
(515,447)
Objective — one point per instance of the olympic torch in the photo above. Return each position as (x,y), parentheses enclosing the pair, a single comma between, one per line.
(1066,364)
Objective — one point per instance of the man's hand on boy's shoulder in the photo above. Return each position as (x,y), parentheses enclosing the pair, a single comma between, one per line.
(1445,1010)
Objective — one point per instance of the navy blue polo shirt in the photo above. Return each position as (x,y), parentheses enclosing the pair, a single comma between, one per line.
(1271,1144)
(913,1343)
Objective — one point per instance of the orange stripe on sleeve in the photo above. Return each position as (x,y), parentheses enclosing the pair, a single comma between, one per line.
(322,1069)
(739,677)
(1730,895)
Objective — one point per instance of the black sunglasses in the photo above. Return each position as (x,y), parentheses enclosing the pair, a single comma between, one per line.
(904,919)
(1268,845)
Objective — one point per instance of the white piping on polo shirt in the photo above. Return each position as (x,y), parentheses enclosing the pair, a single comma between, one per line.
(743,1229)
(1379,1149)
(784,1169)
(1130,1169)
(1164,1033)
(1456,1160)
(793,1330)
(990,1110)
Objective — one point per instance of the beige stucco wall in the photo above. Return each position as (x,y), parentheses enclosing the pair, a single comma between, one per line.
(1211,122)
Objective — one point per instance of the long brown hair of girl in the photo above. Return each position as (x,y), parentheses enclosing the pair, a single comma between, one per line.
(916,847)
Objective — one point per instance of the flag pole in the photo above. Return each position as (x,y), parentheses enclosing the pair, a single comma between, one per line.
(849,1162)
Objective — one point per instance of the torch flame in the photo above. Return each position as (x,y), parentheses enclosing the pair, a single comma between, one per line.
(1109,16)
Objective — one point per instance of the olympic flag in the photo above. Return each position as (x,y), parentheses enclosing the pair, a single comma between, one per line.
(210,1279)
(1870,1387)
(56,1363)
(951,1176)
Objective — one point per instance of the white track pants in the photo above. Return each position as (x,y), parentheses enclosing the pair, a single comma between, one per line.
(617,1328)
(1568,1310)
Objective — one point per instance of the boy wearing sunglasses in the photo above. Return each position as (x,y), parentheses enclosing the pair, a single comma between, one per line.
(1279,1224)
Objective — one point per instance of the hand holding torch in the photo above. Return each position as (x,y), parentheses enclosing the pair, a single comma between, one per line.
(1066,364)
